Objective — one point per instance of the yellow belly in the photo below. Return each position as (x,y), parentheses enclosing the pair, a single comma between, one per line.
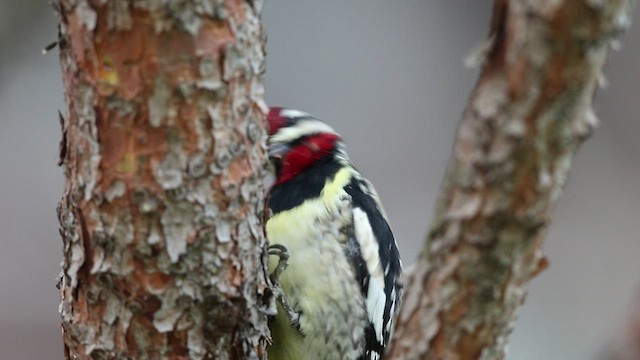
(319,282)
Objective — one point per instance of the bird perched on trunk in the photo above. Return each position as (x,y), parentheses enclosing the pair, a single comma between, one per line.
(341,289)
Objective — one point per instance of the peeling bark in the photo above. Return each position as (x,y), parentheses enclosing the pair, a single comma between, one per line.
(164,157)
(530,111)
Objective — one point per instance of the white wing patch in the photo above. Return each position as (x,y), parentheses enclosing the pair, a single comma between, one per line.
(376,297)
(375,308)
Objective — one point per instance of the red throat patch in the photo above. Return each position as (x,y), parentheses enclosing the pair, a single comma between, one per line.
(305,154)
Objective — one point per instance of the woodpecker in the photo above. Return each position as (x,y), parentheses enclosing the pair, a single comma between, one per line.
(341,287)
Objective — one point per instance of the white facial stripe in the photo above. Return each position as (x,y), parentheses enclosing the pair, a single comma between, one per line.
(290,113)
(302,128)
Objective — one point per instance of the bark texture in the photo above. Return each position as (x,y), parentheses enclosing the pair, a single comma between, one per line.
(530,111)
(163,149)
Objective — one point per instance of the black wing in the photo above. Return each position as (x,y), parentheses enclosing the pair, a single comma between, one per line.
(380,302)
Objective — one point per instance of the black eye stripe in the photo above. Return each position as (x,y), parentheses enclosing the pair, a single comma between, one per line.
(290,122)
(293,121)
(301,140)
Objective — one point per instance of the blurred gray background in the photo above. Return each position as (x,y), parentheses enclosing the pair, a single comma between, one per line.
(389,76)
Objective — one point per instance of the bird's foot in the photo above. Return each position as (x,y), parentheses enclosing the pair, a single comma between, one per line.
(283,254)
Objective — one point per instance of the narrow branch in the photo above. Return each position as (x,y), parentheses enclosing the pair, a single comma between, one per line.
(528,114)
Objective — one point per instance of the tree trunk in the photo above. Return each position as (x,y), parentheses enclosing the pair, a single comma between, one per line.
(530,111)
(163,148)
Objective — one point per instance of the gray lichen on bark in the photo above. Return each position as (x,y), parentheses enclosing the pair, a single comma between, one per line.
(164,158)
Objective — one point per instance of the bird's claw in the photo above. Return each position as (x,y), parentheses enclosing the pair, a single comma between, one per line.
(283,254)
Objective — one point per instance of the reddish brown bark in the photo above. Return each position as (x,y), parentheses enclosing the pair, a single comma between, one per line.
(164,157)
(530,111)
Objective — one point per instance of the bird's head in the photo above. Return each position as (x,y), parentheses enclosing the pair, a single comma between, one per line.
(297,141)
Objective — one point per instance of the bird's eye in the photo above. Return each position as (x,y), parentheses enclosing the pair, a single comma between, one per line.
(278,150)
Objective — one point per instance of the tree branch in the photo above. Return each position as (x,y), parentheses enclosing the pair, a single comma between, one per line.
(162,216)
(528,114)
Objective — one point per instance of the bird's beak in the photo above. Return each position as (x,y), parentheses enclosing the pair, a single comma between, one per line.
(278,150)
